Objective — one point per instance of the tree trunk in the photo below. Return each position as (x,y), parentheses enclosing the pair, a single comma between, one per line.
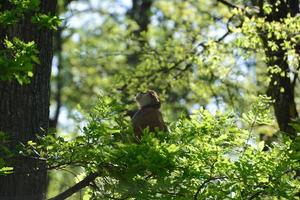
(24,112)
(58,82)
(58,79)
(281,88)
(141,14)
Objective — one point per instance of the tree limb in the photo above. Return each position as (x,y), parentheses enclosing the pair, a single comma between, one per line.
(75,188)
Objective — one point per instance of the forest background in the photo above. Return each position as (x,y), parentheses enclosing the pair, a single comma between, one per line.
(226,72)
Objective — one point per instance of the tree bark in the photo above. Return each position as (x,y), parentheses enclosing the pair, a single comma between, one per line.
(75,188)
(58,79)
(141,14)
(281,88)
(24,112)
(58,83)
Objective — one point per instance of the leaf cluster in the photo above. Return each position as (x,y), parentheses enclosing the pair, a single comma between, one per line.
(18,9)
(4,154)
(18,57)
(17,60)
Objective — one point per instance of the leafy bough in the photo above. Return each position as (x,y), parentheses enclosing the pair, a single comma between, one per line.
(204,156)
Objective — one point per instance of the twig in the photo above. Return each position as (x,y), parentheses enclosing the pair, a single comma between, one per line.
(229,4)
(204,183)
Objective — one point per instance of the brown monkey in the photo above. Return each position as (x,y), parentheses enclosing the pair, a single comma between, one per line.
(148,115)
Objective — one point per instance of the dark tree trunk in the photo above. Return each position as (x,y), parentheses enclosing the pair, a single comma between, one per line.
(24,112)
(58,82)
(141,14)
(58,79)
(281,88)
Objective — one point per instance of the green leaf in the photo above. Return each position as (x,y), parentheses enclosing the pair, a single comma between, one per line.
(35,59)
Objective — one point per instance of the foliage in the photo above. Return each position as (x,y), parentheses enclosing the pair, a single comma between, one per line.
(204,156)
(46,21)
(182,55)
(20,8)
(17,60)
(196,52)
(4,153)
(17,57)
(296,141)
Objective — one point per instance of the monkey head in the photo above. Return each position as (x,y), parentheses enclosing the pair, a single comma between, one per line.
(148,99)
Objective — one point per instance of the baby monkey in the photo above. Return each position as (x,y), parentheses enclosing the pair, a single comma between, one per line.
(148,114)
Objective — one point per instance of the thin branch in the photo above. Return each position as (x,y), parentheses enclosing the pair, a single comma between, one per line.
(229,4)
(59,85)
(206,182)
(256,195)
(176,66)
(296,73)
(75,188)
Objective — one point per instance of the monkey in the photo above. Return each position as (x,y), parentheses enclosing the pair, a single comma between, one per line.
(148,114)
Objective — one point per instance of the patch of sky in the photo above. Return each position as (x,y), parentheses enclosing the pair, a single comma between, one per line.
(213,106)
(89,14)
(54,69)
(217,30)
(75,37)
(216,105)
(85,20)
(69,124)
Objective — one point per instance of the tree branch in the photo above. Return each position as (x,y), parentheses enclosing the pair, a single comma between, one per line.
(229,4)
(75,188)
(204,184)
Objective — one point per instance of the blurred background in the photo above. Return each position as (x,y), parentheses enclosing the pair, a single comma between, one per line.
(194,53)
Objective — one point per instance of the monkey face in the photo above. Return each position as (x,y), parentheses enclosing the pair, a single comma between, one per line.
(139,96)
(146,98)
